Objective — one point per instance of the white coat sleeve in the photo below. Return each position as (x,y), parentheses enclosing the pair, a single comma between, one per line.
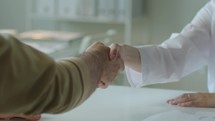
(178,56)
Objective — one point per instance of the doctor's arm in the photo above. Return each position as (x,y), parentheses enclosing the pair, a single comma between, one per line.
(177,57)
(198,34)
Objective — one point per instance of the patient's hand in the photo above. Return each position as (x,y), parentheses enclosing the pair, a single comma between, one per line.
(194,100)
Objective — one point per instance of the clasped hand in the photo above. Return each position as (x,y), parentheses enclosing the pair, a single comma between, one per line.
(114,58)
(110,67)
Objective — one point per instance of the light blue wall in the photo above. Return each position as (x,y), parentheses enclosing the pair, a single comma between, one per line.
(12,14)
(168,16)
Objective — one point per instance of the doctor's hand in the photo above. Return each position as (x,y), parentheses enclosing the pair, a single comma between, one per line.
(130,55)
(194,100)
(107,69)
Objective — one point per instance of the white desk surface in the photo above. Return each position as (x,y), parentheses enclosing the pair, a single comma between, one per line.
(118,103)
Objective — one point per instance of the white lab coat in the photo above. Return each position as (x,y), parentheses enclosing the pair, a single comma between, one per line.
(180,55)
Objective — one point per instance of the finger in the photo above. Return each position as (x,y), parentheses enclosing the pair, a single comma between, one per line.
(102,85)
(114,48)
(170,101)
(114,54)
(186,104)
(180,99)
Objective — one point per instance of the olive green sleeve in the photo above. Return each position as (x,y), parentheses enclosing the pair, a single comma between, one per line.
(33,83)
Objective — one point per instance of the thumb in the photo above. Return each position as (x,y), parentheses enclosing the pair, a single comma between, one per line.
(114,51)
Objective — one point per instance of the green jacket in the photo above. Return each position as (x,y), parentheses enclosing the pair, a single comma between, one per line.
(33,83)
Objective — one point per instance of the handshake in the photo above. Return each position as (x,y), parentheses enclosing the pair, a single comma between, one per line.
(106,62)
